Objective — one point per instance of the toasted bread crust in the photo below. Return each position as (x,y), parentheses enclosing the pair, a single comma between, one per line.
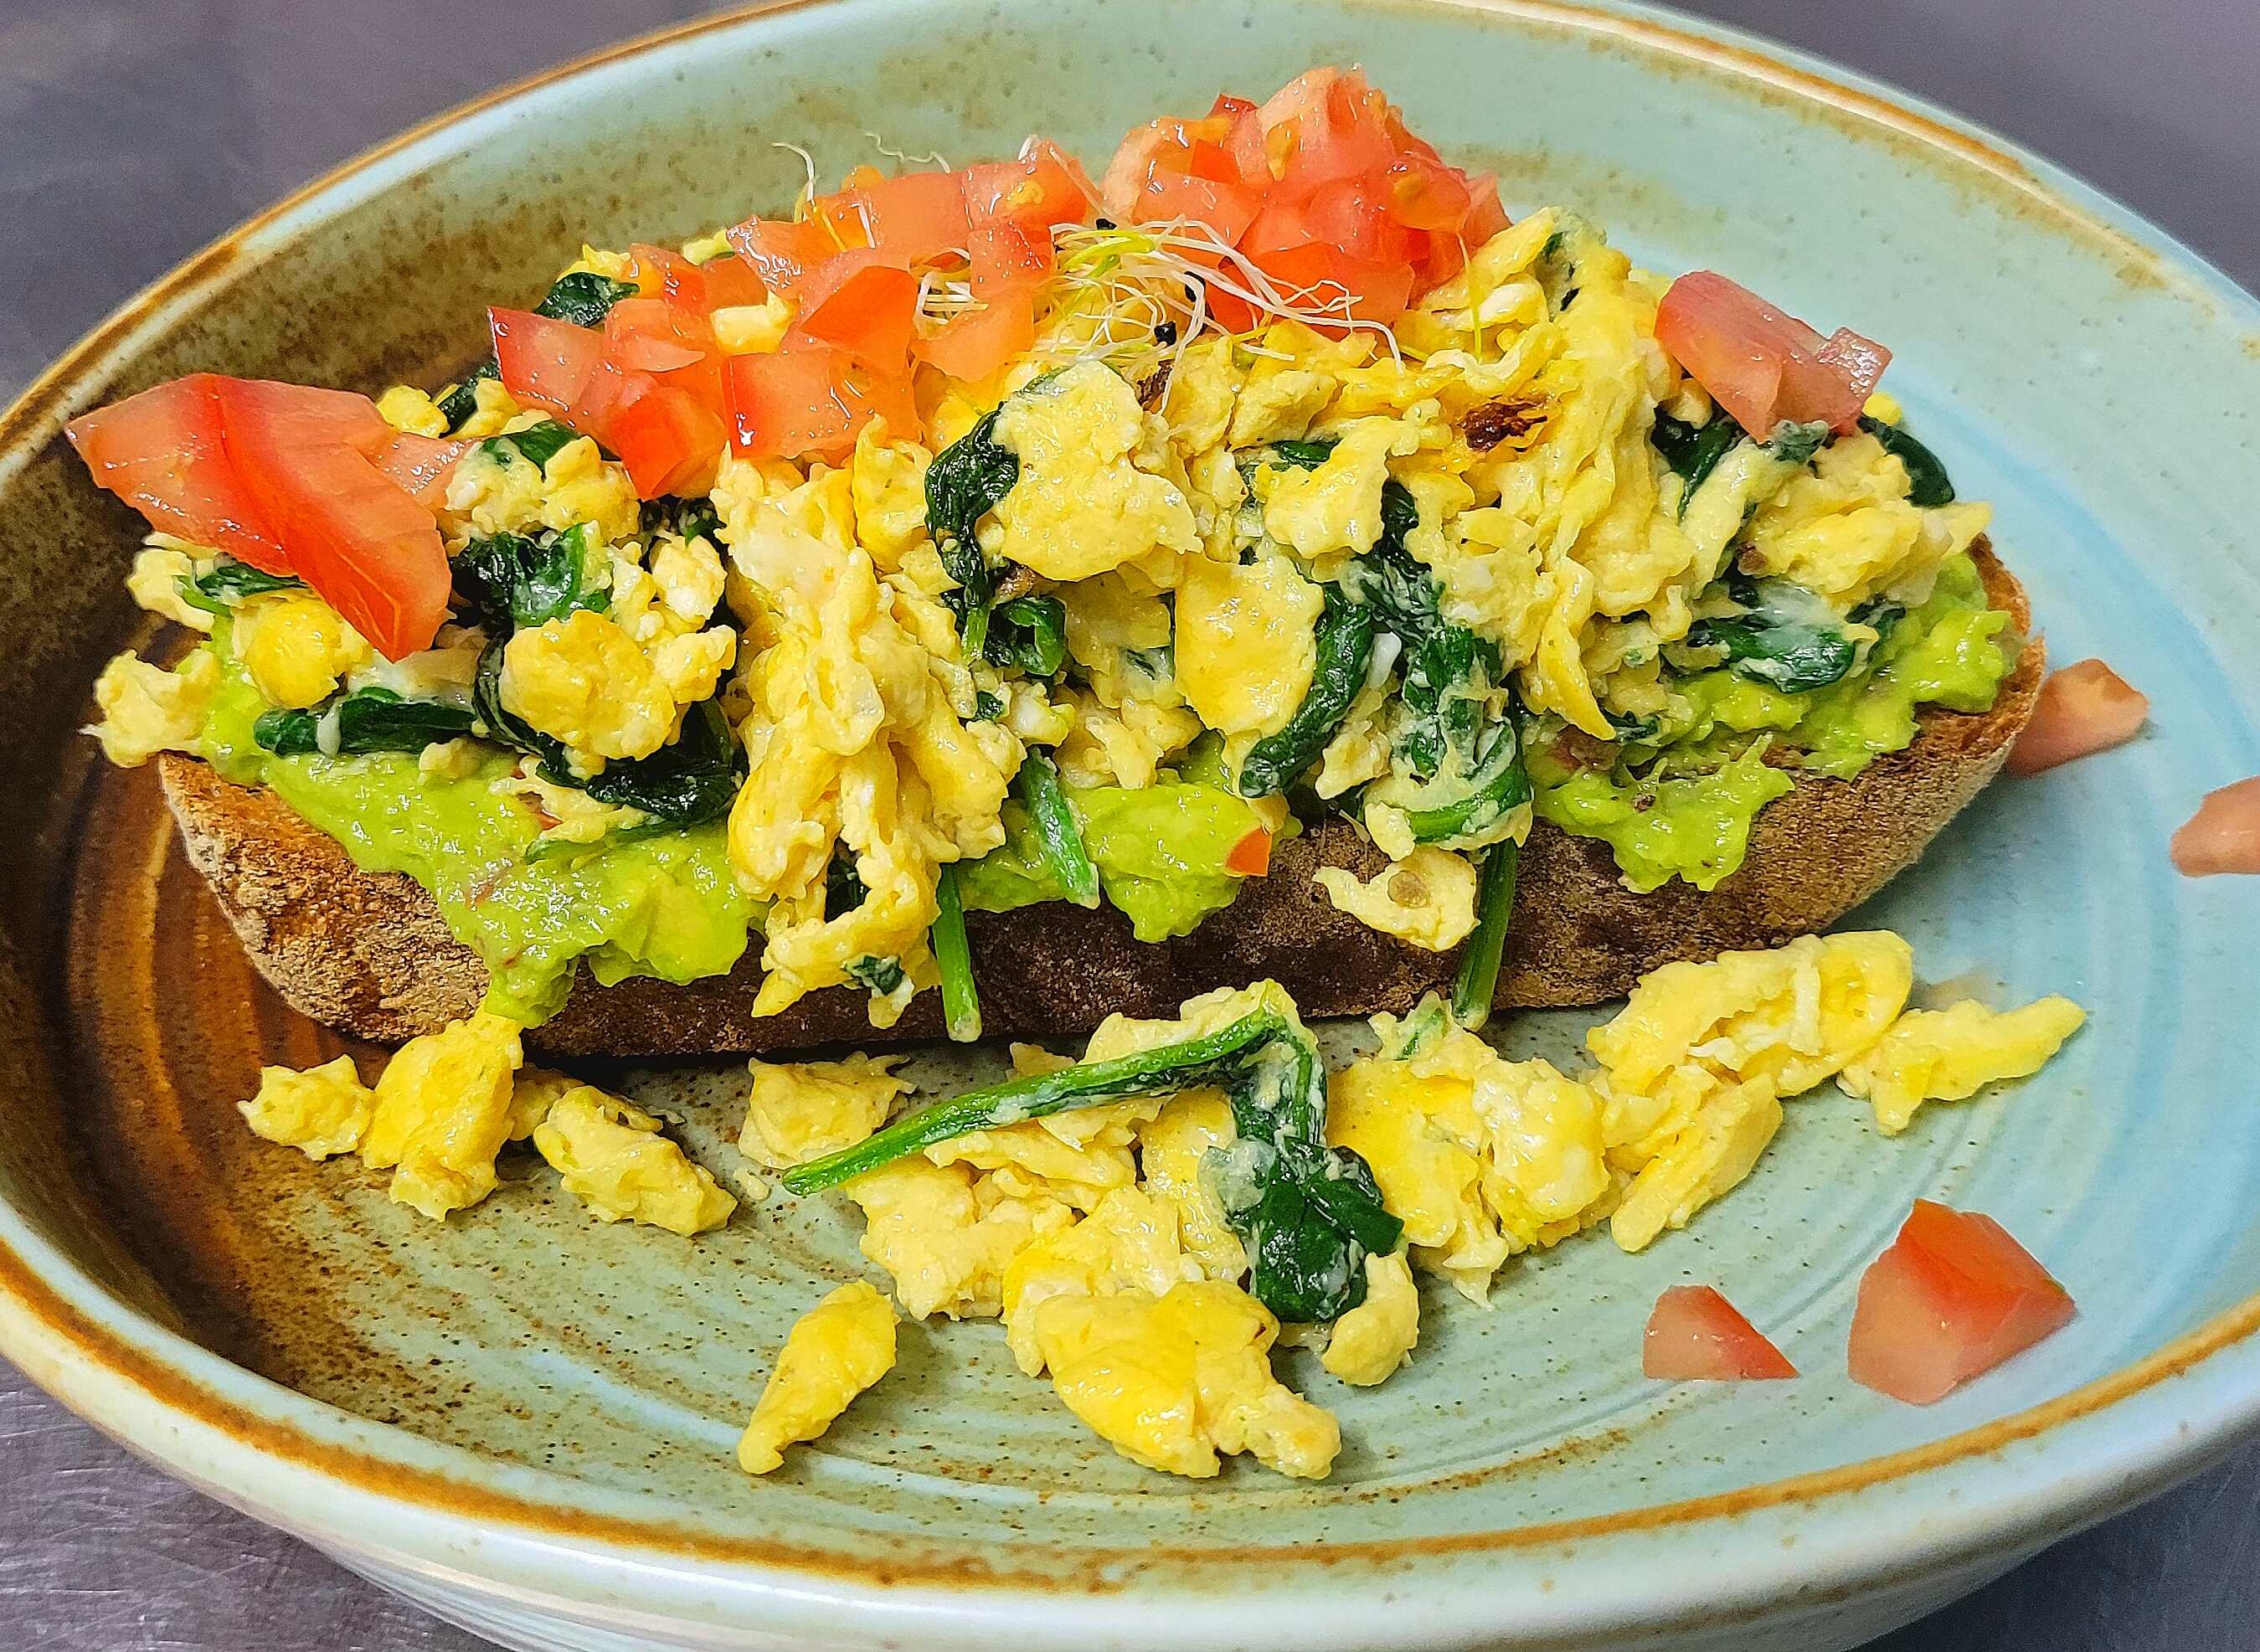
(369,953)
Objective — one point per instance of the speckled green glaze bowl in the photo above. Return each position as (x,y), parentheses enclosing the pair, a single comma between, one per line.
(524,1420)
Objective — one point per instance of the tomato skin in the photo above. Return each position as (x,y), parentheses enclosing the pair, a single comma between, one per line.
(1323,276)
(355,535)
(162,451)
(2223,836)
(1761,365)
(976,343)
(780,252)
(1952,1298)
(860,301)
(916,217)
(421,464)
(667,440)
(2084,708)
(1696,1335)
(553,365)
(810,401)
(1251,856)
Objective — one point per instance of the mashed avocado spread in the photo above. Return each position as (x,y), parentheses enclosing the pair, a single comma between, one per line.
(664,905)
(1682,805)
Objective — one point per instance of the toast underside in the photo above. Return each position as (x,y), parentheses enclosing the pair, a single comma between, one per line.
(369,954)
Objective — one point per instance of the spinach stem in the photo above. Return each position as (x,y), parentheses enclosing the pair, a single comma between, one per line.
(1143,1072)
(1478,976)
(1043,796)
(953,954)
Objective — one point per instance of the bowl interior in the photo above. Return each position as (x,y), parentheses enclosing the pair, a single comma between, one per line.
(2105,398)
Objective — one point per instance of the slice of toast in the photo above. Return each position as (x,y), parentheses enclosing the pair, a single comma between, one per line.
(369,953)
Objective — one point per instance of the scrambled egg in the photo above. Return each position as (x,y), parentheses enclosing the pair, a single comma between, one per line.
(835,1351)
(442,1114)
(583,679)
(450,1101)
(1482,1158)
(611,1157)
(1081,507)
(945,1236)
(1246,644)
(494,489)
(297,647)
(1427,898)
(857,741)
(154,580)
(1172,1380)
(1375,1340)
(322,1112)
(147,709)
(798,1112)
(1952,1054)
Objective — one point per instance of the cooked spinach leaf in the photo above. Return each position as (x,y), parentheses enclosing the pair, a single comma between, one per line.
(221,588)
(371,720)
(843,885)
(686,518)
(881,975)
(953,958)
(1478,980)
(1693,450)
(1795,444)
(988,707)
(583,297)
(1927,483)
(688,782)
(1308,1213)
(1785,636)
(538,443)
(514,580)
(1029,633)
(1058,834)
(1345,649)
(963,485)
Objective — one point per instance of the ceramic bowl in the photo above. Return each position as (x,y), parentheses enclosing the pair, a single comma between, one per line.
(524,1420)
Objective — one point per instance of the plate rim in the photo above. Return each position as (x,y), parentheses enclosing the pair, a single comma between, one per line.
(225,1428)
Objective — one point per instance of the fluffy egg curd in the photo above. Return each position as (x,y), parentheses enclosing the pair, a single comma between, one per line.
(979,539)
(971,540)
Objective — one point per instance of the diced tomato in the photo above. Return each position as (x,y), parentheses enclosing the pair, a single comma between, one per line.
(975,344)
(810,401)
(2084,708)
(1953,1297)
(1859,361)
(1352,216)
(731,282)
(163,452)
(352,532)
(669,276)
(1005,257)
(646,335)
(555,366)
(1251,856)
(1423,194)
(667,440)
(1761,365)
(1044,189)
(2223,836)
(1696,1335)
(1325,277)
(779,251)
(421,464)
(861,306)
(917,216)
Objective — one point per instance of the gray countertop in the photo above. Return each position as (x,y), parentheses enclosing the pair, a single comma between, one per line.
(131,133)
